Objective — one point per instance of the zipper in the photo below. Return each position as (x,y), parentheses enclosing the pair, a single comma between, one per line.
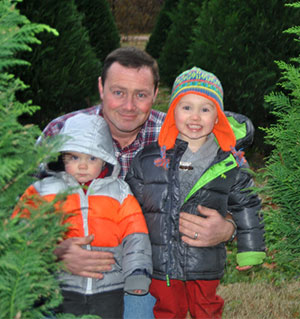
(177,154)
(214,171)
(84,204)
(169,228)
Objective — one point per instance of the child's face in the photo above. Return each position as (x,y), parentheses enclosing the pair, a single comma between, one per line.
(195,117)
(82,167)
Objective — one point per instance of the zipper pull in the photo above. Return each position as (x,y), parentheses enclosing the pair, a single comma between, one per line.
(168,280)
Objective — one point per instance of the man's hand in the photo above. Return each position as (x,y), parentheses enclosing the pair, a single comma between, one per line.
(204,232)
(83,262)
(243,268)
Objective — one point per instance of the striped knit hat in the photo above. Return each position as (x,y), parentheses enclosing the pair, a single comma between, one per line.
(197,81)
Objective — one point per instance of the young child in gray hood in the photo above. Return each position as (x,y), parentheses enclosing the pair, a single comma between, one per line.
(103,205)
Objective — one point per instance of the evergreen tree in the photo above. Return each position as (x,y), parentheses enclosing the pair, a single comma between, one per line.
(175,49)
(64,69)
(102,29)
(161,29)
(282,171)
(238,41)
(27,285)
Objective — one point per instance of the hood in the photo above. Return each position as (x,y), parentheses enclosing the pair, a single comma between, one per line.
(200,82)
(243,129)
(89,134)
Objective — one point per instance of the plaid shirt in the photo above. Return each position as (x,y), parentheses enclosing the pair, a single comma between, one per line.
(148,134)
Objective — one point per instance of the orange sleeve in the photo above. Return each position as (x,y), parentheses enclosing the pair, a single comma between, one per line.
(131,217)
(111,221)
(30,198)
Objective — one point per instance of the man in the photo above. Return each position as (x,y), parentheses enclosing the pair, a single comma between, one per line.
(128,88)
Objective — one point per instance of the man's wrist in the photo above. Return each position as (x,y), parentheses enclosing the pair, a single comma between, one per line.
(234,232)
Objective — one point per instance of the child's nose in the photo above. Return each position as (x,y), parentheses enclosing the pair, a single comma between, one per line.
(83,164)
(196,115)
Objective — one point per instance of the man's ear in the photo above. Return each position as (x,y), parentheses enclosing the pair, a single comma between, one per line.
(100,87)
(155,94)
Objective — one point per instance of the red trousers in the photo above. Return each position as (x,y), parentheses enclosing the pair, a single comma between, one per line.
(197,296)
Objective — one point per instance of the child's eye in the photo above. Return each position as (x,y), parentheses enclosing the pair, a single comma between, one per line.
(74,157)
(93,158)
(186,107)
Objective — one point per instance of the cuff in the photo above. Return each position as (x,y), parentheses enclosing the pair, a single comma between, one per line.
(141,282)
(250,258)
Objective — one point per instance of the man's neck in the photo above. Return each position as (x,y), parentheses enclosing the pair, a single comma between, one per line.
(124,138)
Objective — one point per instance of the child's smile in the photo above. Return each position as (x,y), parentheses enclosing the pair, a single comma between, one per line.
(195,117)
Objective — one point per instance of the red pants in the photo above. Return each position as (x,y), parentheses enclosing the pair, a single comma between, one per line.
(197,296)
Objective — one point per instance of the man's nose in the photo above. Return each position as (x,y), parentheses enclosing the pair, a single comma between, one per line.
(130,103)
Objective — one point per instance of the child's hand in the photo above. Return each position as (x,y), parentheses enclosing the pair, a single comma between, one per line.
(243,268)
(138,291)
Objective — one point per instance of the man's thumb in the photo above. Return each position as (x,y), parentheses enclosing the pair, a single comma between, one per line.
(204,211)
(85,240)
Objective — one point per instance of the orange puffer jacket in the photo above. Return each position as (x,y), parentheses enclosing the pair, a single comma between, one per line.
(108,210)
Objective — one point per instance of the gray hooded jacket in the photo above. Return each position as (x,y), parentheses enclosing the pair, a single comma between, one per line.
(107,209)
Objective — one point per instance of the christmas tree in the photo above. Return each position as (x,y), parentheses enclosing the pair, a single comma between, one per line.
(28,288)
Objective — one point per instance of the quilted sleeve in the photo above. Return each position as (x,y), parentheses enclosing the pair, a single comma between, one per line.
(245,207)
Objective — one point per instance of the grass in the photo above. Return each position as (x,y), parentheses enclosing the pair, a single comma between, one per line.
(261,301)
(252,294)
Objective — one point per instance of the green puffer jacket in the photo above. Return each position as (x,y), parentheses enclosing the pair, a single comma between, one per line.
(221,187)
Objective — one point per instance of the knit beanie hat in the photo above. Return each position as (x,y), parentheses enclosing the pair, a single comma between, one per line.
(200,82)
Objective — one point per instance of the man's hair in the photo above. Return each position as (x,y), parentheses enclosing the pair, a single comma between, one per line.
(131,57)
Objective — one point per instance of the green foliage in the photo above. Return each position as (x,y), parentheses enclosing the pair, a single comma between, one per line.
(102,29)
(12,39)
(282,172)
(175,50)
(161,29)
(239,41)
(28,288)
(27,263)
(64,69)
(16,160)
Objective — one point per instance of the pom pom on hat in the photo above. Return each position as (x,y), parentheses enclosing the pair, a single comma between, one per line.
(206,84)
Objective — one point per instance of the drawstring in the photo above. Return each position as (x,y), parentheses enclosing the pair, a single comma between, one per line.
(238,155)
(163,160)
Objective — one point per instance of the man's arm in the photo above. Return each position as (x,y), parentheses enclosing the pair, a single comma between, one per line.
(211,230)
(84,262)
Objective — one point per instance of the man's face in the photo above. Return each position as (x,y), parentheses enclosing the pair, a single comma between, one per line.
(127,96)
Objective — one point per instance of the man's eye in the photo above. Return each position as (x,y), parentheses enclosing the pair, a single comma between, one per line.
(141,95)
(118,93)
